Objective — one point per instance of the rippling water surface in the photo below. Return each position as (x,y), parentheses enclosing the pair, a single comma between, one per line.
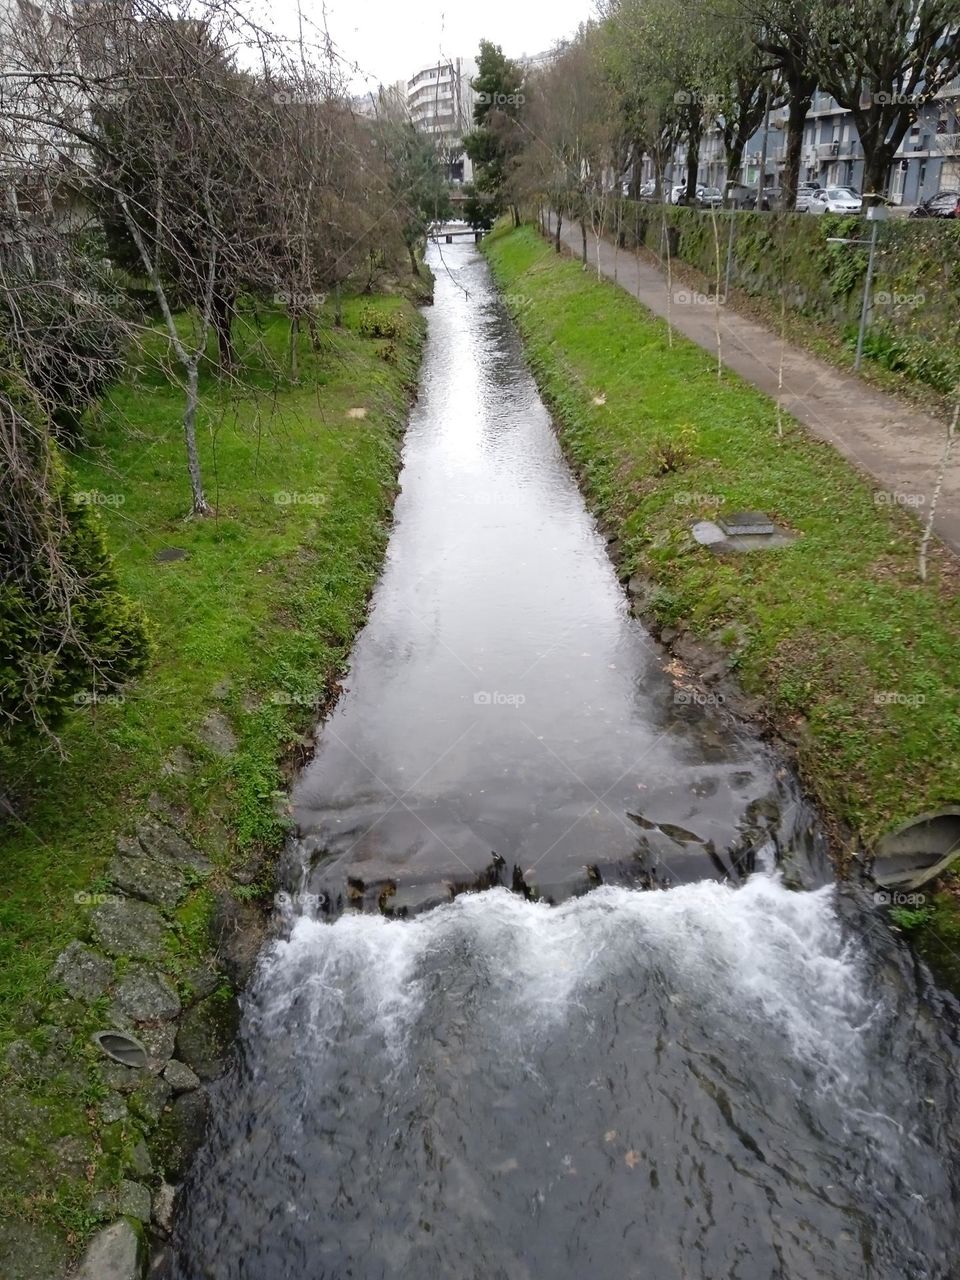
(501,699)
(727,1078)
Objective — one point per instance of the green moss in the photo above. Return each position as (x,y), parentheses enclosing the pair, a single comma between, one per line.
(192,928)
(935,930)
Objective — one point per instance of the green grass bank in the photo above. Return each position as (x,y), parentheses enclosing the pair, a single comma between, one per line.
(853,657)
(253,613)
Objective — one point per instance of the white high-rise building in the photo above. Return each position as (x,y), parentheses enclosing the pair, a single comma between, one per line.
(440,101)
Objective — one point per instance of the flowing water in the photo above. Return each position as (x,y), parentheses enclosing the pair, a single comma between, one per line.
(692,1070)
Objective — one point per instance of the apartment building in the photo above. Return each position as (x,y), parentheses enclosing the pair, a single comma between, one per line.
(927,160)
(440,102)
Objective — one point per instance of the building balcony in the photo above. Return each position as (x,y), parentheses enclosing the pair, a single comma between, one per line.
(435,88)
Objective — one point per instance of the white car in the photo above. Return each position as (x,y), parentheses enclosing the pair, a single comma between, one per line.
(805,193)
(836,200)
(677,192)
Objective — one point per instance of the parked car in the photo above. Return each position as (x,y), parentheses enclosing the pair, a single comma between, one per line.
(648,190)
(709,197)
(677,193)
(805,193)
(945,204)
(836,200)
(769,199)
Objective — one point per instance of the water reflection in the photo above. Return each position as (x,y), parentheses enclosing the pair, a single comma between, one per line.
(501,699)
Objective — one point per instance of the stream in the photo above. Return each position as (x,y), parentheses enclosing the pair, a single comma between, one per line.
(661,1043)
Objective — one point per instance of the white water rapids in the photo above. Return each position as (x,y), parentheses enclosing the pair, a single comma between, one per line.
(700,1082)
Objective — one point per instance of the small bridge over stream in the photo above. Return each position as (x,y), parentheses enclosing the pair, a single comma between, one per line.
(447,232)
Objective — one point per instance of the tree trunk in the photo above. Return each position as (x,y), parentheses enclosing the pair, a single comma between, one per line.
(516,214)
(189,363)
(637,169)
(221,313)
(876,170)
(735,160)
(693,164)
(556,243)
(294,345)
(414,265)
(583,240)
(337,308)
(314,331)
(801,96)
(200,505)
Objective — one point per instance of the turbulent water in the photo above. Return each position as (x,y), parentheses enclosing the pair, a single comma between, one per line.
(729,1079)
(701,1082)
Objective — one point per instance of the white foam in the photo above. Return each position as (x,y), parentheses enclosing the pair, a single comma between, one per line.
(756,954)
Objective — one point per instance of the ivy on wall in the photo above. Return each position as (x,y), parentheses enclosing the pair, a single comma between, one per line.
(913,320)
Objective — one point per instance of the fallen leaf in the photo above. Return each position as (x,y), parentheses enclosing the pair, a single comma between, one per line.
(631,1159)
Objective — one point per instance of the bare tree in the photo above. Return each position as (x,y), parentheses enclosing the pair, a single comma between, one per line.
(183,148)
(882,65)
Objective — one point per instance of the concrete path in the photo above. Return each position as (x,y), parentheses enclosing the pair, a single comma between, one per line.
(899,448)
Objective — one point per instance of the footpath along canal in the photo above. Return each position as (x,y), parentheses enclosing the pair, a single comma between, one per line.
(572,1073)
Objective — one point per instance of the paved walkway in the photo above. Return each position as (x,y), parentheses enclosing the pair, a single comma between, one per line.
(898,447)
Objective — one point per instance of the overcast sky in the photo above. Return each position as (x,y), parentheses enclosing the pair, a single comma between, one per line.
(391,39)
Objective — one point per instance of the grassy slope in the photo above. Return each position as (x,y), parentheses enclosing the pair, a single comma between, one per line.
(833,623)
(265,606)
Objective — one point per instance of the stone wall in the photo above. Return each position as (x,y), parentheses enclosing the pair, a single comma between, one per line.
(915,297)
